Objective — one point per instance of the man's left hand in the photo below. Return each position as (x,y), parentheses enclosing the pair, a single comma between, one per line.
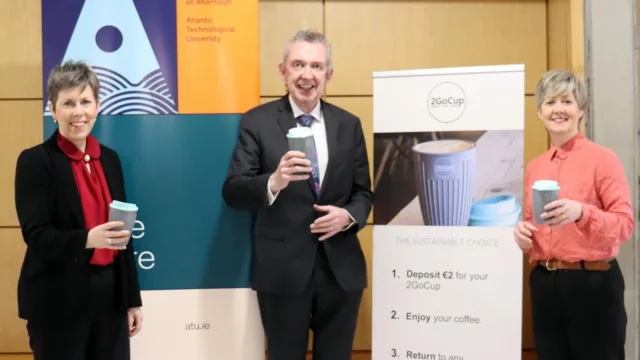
(332,223)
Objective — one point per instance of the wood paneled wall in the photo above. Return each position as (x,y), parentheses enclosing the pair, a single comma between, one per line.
(20,127)
(366,36)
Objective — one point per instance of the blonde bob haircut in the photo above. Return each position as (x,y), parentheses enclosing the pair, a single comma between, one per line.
(559,82)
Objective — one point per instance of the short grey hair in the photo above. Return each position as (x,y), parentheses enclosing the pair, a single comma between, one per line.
(70,75)
(311,36)
(556,82)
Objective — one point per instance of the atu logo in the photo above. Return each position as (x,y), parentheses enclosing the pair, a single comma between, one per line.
(443,168)
(447,102)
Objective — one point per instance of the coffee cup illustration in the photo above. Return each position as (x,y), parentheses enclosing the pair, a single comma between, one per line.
(445,174)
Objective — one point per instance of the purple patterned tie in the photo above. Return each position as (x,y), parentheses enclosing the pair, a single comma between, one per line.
(306,120)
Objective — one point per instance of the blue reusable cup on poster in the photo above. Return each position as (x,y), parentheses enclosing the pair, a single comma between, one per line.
(499,211)
(445,173)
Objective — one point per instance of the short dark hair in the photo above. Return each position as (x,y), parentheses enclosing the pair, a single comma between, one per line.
(69,75)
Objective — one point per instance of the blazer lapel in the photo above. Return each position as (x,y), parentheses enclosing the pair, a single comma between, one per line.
(331,126)
(285,117)
(67,179)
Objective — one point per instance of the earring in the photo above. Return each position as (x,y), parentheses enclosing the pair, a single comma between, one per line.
(55,121)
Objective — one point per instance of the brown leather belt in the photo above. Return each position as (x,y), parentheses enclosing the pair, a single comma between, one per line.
(553,264)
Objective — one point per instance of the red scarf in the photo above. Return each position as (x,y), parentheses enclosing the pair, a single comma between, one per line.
(93,190)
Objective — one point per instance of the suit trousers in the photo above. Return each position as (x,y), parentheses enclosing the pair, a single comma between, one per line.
(578,314)
(323,307)
(103,334)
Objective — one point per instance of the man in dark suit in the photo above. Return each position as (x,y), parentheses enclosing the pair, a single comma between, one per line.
(309,270)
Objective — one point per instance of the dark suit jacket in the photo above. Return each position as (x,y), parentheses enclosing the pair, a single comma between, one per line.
(285,249)
(55,273)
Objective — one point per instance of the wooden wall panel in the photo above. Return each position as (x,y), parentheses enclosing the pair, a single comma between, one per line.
(13,336)
(576,35)
(558,28)
(566,37)
(362,339)
(21,44)
(535,134)
(20,127)
(16,357)
(392,35)
(266,99)
(279,21)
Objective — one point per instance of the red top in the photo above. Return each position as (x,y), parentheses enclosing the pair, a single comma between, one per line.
(93,189)
(593,175)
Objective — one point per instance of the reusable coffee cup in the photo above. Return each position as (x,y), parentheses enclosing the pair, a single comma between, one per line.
(445,173)
(301,139)
(125,212)
(543,192)
(496,211)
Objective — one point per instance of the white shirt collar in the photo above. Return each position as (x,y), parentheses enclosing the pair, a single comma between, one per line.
(297,112)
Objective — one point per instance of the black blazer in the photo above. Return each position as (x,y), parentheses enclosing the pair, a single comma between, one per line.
(284,247)
(54,276)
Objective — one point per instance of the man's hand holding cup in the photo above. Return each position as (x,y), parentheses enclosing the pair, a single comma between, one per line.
(292,167)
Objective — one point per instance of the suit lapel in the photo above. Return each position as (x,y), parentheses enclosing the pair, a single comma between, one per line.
(285,117)
(66,179)
(72,191)
(331,127)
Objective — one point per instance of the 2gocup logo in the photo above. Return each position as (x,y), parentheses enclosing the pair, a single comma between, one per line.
(443,168)
(447,102)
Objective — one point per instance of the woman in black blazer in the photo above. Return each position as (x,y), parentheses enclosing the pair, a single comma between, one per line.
(78,288)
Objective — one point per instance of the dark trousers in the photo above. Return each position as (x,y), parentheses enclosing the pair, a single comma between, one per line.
(578,314)
(101,335)
(324,307)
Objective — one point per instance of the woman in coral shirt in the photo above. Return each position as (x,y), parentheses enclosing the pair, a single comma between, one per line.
(577,288)
(78,287)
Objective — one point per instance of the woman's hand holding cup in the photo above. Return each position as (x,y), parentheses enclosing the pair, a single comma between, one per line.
(102,237)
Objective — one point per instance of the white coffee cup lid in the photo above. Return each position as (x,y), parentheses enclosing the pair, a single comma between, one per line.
(546,185)
(123,206)
(299,132)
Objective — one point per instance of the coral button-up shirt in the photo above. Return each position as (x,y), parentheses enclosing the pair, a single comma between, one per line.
(593,175)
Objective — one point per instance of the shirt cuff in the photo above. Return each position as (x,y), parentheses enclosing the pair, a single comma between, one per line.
(353,222)
(271,198)
(586,216)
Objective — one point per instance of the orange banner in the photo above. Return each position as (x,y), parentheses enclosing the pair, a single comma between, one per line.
(218,56)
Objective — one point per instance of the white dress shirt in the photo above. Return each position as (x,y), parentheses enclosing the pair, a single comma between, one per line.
(319,137)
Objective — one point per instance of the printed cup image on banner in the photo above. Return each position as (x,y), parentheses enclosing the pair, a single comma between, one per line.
(111,38)
(453,178)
